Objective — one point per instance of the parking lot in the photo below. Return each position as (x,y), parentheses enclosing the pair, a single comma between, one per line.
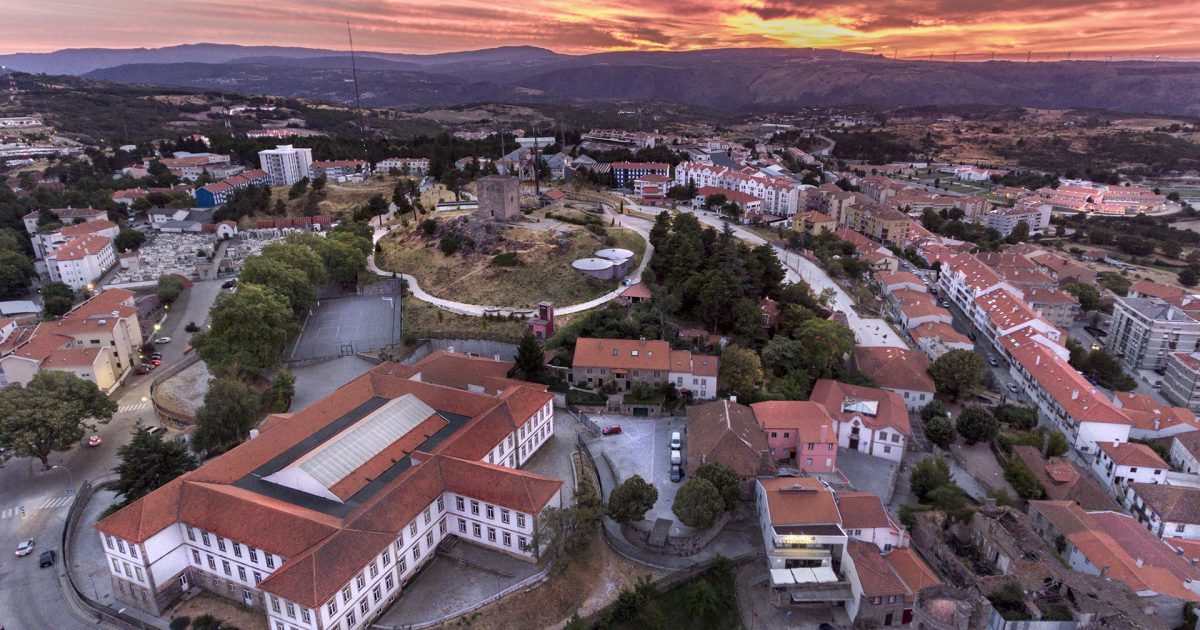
(643,448)
(344,326)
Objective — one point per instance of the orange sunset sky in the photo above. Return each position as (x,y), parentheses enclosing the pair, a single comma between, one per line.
(1089,29)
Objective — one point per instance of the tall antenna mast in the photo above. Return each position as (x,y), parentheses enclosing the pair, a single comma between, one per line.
(357,96)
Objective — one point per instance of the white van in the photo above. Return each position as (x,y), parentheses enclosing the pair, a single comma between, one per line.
(676,441)
(676,458)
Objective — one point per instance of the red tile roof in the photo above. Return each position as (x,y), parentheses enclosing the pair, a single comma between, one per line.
(890,413)
(1148,415)
(895,368)
(912,570)
(87,227)
(1132,454)
(1149,288)
(82,247)
(622,354)
(1079,398)
(799,501)
(874,573)
(862,510)
(808,418)
(939,330)
(728,433)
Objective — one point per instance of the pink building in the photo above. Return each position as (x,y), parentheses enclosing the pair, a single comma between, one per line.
(799,432)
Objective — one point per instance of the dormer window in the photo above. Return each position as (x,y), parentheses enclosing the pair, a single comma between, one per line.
(614,352)
(633,352)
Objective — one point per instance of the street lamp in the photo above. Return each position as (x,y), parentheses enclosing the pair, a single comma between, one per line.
(70,477)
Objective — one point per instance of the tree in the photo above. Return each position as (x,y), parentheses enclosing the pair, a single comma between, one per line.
(1188,277)
(147,463)
(1019,233)
(698,503)
(937,424)
(630,501)
(318,183)
(299,255)
(129,239)
(283,389)
(298,189)
(57,299)
(1088,295)
(1171,249)
(290,283)
(928,475)
(1056,444)
(16,274)
(530,361)
(977,424)
(958,374)
(727,483)
(249,331)
(741,370)
(230,410)
(1018,475)
(49,414)
(1016,416)
(825,344)
(169,288)
(702,600)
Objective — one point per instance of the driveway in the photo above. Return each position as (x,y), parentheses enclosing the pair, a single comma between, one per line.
(643,448)
(868,473)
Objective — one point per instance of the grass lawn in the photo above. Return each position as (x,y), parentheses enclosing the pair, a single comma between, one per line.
(543,272)
(426,321)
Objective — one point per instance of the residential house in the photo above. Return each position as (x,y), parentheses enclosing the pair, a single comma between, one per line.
(322,517)
(334,169)
(190,166)
(1152,420)
(749,205)
(81,262)
(915,308)
(1120,464)
(899,370)
(46,240)
(1185,452)
(219,193)
(884,586)
(812,222)
(867,419)
(1145,331)
(1061,269)
(1036,216)
(864,517)
(938,338)
(1150,289)
(1181,383)
(725,432)
(1057,307)
(800,433)
(626,362)
(1168,511)
(405,166)
(1002,313)
(889,282)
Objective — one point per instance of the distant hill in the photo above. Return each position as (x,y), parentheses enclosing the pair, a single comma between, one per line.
(727,79)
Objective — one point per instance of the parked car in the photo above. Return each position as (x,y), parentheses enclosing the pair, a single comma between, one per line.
(229,284)
(676,441)
(25,548)
(1012,387)
(676,473)
(993,362)
(46,559)
(95,440)
(157,430)
(163,340)
(154,355)
(143,369)
(676,458)
(612,430)
(154,362)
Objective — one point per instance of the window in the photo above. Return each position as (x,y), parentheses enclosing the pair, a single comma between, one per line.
(891,599)
(773,434)
(253,555)
(896,438)
(375,594)
(1179,528)
(442,526)
(1133,470)
(876,600)
(257,578)
(225,567)
(412,529)
(416,552)
(808,461)
(121,545)
(491,534)
(389,581)
(361,581)
(304,614)
(133,550)
(116,565)
(429,539)
(401,564)
(426,516)
(491,512)
(373,569)
(242,573)
(475,508)
(507,539)
(270,560)
(212,564)
(363,605)
(191,534)
(138,570)
(520,520)
(274,603)
(387,557)
(195,557)
(346,594)
(887,449)
(350,619)
(462,526)
(237,550)
(504,516)
(278,625)
(291,609)
(441,503)
(400,540)
(475,529)
(220,543)
(521,542)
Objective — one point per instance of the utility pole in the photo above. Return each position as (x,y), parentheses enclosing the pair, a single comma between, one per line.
(357,96)
(955,57)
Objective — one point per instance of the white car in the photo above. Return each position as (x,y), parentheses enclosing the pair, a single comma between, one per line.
(163,340)
(25,548)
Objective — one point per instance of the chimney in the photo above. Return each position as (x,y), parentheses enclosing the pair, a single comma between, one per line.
(1104,572)
(1074,394)
(496,356)
(1140,562)
(450,349)
(642,340)
(253,433)
(733,399)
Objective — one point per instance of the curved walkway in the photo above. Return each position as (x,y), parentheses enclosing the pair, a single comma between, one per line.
(477,310)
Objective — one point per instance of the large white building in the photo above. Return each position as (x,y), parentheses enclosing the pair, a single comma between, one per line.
(286,164)
(323,516)
(866,419)
(780,196)
(1120,464)
(1031,213)
(82,261)
(1145,332)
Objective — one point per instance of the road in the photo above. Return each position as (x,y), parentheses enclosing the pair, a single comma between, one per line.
(30,597)
(828,148)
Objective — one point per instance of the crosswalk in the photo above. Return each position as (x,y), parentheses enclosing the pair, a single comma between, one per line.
(56,502)
(137,406)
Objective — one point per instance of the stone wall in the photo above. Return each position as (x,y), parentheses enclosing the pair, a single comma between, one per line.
(680,546)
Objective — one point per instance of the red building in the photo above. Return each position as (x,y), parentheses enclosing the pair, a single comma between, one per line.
(800,432)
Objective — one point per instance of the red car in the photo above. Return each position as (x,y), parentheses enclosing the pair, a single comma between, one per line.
(95,440)
(613,430)
(154,362)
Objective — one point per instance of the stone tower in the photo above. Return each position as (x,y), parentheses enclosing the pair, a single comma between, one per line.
(499,197)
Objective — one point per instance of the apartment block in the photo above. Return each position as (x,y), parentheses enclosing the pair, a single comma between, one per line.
(286,164)
(1145,332)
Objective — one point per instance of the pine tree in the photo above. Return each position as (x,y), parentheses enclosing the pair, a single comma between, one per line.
(530,363)
(148,462)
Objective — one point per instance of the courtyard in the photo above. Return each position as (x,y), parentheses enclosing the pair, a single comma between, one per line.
(643,448)
(344,326)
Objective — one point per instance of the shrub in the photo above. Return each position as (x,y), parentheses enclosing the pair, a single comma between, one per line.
(976,424)
(630,501)
(181,623)
(1016,416)
(698,503)
(449,244)
(191,327)
(1018,475)
(1056,444)
(428,226)
(506,259)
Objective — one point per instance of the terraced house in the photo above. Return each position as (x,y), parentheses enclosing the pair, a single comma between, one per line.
(323,516)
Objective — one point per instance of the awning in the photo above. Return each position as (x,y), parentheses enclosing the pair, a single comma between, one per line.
(825,574)
(782,577)
(804,576)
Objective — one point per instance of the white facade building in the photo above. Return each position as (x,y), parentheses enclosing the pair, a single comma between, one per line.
(286,164)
